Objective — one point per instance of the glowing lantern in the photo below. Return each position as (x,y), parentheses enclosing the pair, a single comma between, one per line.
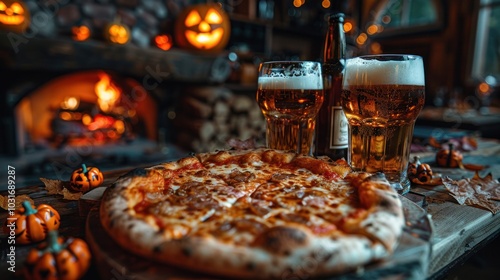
(163,42)
(14,15)
(80,33)
(117,33)
(107,93)
(202,27)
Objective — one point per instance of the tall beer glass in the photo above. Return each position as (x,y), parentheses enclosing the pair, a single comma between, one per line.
(290,94)
(382,96)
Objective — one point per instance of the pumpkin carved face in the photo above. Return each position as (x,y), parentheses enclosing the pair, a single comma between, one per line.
(58,258)
(203,27)
(14,15)
(86,178)
(32,223)
(424,172)
(117,33)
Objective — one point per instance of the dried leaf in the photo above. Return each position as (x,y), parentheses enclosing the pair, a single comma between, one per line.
(69,195)
(53,186)
(473,167)
(434,143)
(436,181)
(477,191)
(463,144)
(60,187)
(4,201)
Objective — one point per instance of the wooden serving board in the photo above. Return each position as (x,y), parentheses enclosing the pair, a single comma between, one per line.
(410,260)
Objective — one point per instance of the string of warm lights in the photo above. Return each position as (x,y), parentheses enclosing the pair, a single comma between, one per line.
(361,36)
(298,3)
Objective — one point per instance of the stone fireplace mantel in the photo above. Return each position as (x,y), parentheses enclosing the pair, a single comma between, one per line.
(64,55)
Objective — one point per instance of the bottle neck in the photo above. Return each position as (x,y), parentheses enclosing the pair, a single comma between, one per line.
(334,48)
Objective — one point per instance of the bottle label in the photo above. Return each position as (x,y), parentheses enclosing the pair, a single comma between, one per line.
(339,130)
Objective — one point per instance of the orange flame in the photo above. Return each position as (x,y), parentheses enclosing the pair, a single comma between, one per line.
(107,92)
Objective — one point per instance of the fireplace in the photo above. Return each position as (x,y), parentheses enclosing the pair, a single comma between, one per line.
(64,102)
(51,117)
(86,108)
(57,121)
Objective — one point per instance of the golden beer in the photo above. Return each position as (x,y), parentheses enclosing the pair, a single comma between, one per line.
(381,100)
(290,95)
(290,115)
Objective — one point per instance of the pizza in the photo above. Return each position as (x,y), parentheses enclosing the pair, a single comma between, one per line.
(257,213)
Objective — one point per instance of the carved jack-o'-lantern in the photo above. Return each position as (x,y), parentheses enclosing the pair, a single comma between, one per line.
(32,223)
(117,33)
(58,258)
(84,179)
(80,33)
(14,15)
(202,27)
(424,173)
(421,173)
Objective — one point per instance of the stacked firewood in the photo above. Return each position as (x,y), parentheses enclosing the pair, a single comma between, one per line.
(207,117)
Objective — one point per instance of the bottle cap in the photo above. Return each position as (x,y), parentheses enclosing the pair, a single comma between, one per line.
(338,17)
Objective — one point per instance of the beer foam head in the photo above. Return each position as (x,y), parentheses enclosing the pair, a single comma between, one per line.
(386,71)
(283,82)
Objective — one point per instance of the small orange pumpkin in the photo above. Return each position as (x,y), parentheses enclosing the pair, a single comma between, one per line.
(424,173)
(58,258)
(86,178)
(117,33)
(32,224)
(80,33)
(421,173)
(164,42)
(449,157)
(203,27)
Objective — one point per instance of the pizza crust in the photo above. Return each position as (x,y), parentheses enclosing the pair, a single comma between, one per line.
(280,249)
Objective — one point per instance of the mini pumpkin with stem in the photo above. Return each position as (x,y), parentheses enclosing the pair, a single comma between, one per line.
(421,173)
(450,157)
(32,224)
(86,178)
(58,258)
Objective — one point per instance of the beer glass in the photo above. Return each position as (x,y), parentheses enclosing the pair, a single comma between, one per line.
(382,96)
(290,94)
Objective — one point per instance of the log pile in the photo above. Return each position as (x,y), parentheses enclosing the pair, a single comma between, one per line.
(207,117)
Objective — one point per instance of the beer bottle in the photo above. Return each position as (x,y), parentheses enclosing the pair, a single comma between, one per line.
(331,124)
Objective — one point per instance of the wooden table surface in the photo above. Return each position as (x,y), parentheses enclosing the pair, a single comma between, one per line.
(458,230)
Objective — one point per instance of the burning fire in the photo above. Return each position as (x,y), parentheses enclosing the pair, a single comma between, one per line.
(107,92)
(79,122)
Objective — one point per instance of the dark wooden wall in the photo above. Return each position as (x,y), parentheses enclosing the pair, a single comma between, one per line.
(447,48)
